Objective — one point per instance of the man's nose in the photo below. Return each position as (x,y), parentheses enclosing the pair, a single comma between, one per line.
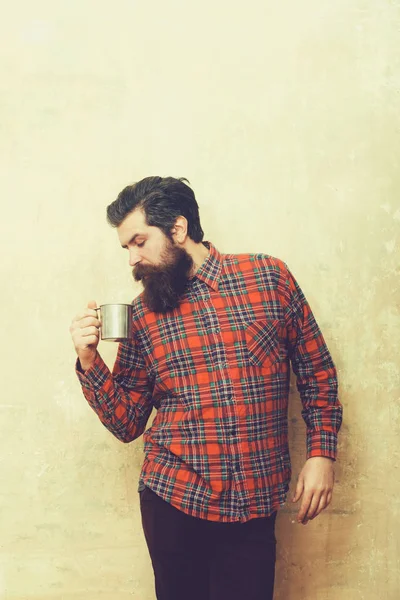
(134,258)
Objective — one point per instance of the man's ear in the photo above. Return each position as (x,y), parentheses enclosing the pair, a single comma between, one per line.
(179,230)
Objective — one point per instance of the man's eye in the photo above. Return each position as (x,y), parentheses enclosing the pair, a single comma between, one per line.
(140,244)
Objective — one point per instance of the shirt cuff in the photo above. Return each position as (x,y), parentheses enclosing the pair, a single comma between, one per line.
(322,443)
(95,377)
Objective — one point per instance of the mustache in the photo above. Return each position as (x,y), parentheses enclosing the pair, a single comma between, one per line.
(140,272)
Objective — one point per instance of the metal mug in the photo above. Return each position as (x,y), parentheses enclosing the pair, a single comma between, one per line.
(116,322)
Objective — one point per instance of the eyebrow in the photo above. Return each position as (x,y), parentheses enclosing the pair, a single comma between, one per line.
(132,240)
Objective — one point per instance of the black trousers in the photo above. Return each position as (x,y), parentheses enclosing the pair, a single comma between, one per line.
(195,559)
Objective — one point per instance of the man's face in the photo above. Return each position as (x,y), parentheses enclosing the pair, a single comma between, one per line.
(145,244)
(162,266)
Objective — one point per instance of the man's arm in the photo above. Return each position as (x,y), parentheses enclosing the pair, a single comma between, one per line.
(122,399)
(316,380)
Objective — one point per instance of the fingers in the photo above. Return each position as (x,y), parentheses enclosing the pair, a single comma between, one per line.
(88,322)
(305,505)
(86,318)
(313,507)
(82,338)
(85,328)
(89,340)
(88,312)
(88,331)
(299,490)
(323,503)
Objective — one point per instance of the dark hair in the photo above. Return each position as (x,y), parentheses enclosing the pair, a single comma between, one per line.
(163,200)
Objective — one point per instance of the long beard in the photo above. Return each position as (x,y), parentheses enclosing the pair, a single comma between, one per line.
(165,284)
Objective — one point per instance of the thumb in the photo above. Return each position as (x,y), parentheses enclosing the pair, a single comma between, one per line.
(299,489)
(92,304)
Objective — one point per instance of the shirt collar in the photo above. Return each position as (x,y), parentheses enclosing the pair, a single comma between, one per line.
(210,270)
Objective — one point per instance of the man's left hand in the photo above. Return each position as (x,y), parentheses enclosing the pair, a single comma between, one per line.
(315,484)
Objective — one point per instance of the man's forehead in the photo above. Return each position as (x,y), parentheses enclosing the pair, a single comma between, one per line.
(132,226)
(136,219)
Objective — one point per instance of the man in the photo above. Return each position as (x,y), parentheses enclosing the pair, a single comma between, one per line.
(214,336)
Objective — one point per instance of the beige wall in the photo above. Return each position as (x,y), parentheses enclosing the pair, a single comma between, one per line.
(285,118)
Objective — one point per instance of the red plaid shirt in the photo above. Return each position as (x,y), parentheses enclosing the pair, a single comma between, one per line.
(217,370)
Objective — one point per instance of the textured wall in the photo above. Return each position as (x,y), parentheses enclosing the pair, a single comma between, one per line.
(285,118)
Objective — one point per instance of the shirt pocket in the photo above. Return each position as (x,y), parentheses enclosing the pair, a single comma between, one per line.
(264,342)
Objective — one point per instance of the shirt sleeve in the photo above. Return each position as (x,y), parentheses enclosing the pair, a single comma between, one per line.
(122,399)
(316,376)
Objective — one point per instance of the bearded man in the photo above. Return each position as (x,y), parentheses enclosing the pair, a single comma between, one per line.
(214,337)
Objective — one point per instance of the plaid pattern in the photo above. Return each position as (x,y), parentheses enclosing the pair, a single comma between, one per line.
(217,370)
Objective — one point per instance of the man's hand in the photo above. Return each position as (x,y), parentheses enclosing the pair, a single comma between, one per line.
(315,484)
(85,335)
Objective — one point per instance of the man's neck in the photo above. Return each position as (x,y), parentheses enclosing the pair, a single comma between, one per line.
(199,253)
